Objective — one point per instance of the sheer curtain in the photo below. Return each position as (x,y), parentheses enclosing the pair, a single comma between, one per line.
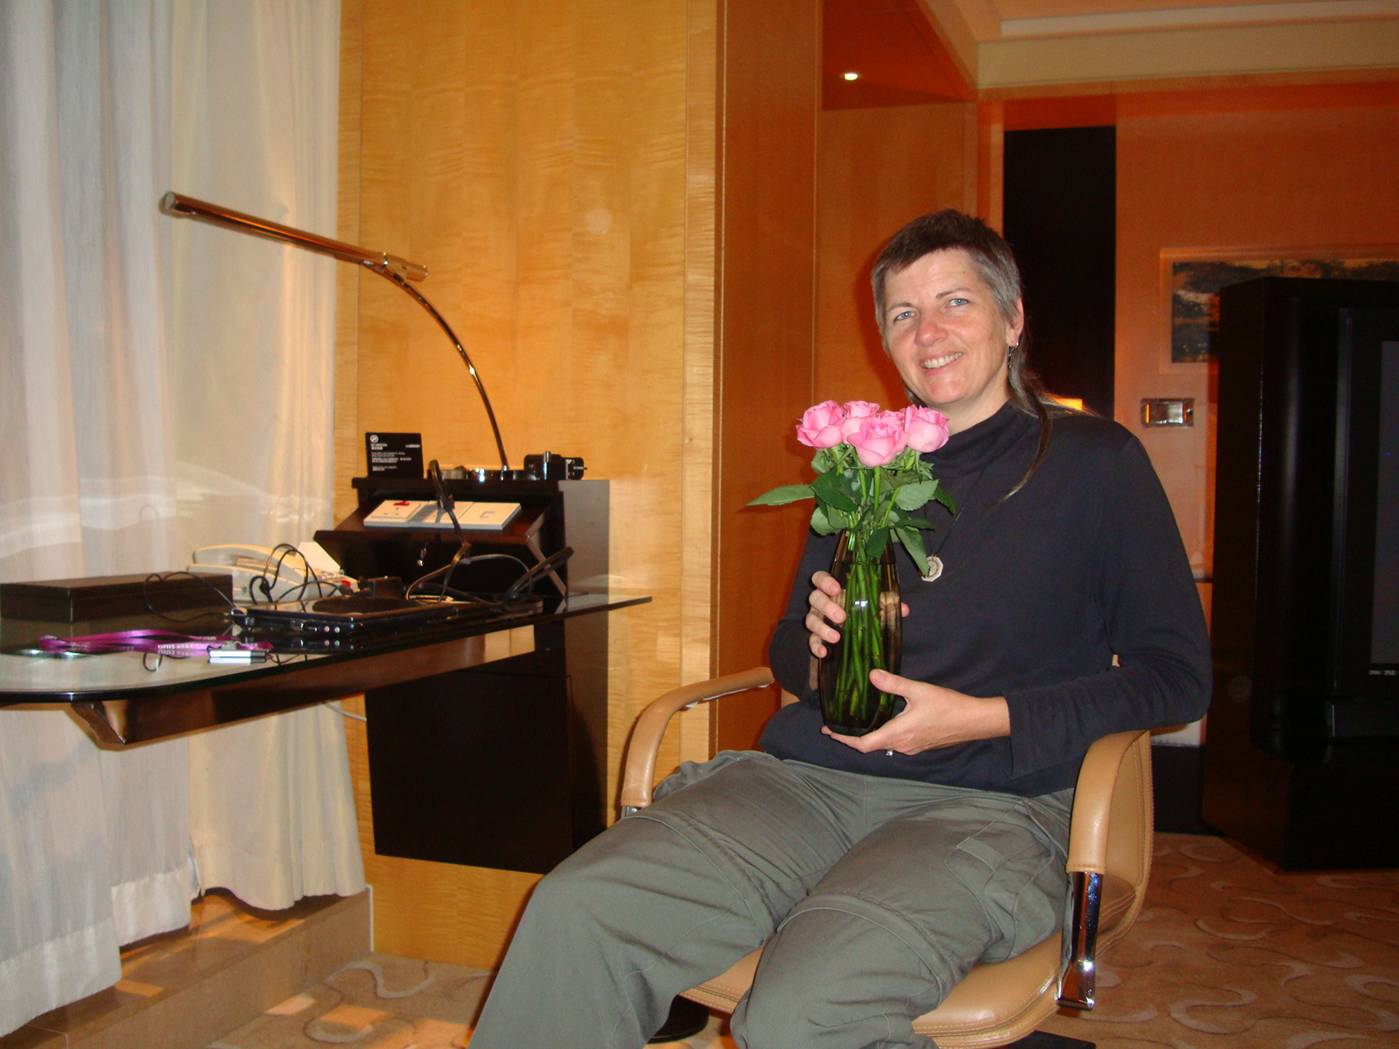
(252,343)
(162,385)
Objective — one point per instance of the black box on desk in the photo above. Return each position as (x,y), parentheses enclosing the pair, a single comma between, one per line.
(105,597)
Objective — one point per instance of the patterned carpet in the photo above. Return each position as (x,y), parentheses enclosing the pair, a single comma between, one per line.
(1228,952)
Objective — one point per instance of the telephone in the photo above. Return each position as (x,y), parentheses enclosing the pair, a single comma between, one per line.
(262,573)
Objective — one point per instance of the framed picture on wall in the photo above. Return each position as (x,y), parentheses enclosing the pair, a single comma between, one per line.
(1191,279)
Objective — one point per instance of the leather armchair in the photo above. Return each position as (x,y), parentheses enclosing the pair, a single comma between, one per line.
(998,1003)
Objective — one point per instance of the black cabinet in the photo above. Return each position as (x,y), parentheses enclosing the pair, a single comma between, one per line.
(503,764)
(1302,741)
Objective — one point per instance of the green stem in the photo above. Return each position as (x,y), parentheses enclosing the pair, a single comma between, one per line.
(863,640)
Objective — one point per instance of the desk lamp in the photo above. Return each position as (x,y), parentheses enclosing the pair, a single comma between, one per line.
(392,268)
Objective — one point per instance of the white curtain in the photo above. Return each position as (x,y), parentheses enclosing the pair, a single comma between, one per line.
(255,103)
(162,385)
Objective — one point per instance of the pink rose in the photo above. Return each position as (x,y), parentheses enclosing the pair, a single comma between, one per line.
(855,411)
(879,438)
(820,425)
(926,428)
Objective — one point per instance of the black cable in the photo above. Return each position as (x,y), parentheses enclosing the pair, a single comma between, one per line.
(537,572)
(530,575)
(297,591)
(161,577)
(281,552)
(446,503)
(462,548)
(446,569)
(308,577)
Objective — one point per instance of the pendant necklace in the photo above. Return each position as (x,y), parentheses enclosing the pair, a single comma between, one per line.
(935,563)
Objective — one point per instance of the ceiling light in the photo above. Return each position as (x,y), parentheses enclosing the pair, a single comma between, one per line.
(850,76)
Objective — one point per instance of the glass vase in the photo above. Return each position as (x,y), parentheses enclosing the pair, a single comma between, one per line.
(871,637)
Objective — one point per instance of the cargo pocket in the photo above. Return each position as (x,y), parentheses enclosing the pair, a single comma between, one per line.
(1013,873)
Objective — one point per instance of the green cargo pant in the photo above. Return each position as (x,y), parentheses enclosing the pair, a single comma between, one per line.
(878,895)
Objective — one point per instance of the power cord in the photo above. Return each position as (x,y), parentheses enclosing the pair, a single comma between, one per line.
(156,578)
(446,503)
(530,575)
(294,592)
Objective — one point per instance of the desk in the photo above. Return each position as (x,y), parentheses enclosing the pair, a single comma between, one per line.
(444,723)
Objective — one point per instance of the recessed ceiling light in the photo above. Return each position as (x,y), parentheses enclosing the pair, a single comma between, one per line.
(850,76)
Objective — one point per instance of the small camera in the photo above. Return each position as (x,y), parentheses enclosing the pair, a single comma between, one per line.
(550,466)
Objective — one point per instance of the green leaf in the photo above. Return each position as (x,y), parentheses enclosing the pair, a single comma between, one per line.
(875,544)
(912,541)
(913,496)
(945,498)
(782,495)
(833,488)
(916,522)
(903,477)
(822,460)
(905,459)
(821,522)
(839,519)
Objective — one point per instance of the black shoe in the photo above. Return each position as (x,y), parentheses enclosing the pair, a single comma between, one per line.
(686,1018)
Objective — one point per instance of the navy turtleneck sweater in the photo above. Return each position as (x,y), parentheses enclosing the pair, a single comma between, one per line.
(1039,592)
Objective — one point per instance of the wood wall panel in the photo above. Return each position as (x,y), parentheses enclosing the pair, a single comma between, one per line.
(551,163)
(348,437)
(695,643)
(771,102)
(878,169)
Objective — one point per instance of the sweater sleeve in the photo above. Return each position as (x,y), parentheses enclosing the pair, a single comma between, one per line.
(788,654)
(1154,623)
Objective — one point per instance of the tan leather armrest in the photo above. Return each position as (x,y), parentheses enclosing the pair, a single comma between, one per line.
(1109,851)
(639,770)
(1101,798)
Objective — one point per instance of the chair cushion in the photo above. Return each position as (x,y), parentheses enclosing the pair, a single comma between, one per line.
(997,1003)
(724,991)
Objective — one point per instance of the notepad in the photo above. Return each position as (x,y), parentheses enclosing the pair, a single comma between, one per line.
(425,513)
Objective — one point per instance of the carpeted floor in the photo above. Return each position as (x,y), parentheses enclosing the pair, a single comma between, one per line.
(1228,952)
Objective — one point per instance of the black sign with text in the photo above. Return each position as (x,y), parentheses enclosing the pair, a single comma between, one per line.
(394,454)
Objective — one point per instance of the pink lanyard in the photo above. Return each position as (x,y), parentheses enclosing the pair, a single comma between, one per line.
(162,642)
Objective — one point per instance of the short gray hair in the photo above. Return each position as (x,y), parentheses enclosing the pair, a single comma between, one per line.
(950,229)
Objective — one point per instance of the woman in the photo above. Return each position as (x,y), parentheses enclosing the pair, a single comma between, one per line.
(880,869)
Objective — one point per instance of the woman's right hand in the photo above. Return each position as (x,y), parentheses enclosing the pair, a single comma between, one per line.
(826,609)
(824,612)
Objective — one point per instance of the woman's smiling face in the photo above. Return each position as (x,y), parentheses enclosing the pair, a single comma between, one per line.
(947,338)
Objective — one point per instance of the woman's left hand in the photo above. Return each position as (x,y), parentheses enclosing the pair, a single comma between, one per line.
(932,717)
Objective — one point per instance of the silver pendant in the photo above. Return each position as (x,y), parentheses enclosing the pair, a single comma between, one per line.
(934,569)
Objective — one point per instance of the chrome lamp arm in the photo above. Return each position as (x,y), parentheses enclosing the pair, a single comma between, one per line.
(396,270)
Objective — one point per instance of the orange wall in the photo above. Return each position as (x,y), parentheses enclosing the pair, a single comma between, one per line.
(1295,168)
(771,63)
(877,169)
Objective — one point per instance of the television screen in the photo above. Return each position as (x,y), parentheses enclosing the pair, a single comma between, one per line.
(1365,626)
